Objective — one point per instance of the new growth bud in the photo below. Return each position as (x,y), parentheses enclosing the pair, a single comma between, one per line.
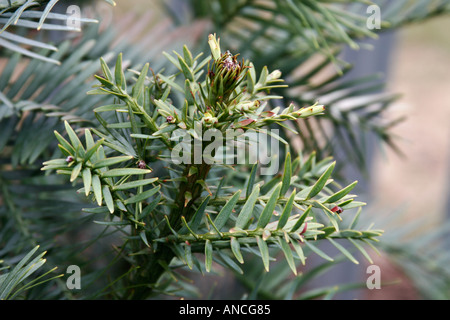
(214,44)
(274,75)
(209,120)
(224,74)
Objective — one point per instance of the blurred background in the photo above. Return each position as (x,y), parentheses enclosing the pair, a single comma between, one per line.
(406,187)
(418,182)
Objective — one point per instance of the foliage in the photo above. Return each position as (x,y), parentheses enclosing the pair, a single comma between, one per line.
(179,211)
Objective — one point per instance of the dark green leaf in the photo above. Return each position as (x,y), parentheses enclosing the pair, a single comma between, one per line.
(65,144)
(76,143)
(111,161)
(186,70)
(194,224)
(142,196)
(124,172)
(90,152)
(87,178)
(266,187)
(320,183)
(264,250)
(208,255)
(287,174)
(106,72)
(286,211)
(97,187)
(112,223)
(236,249)
(134,184)
(138,88)
(89,139)
(119,76)
(188,256)
(187,56)
(75,171)
(267,212)
(300,221)
(247,210)
(108,198)
(108,84)
(226,211)
(144,238)
(340,194)
(110,107)
(298,249)
(251,180)
(288,254)
(150,207)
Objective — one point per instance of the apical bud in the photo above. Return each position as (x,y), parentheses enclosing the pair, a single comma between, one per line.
(224,73)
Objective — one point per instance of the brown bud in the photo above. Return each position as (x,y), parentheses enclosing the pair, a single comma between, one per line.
(337,210)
